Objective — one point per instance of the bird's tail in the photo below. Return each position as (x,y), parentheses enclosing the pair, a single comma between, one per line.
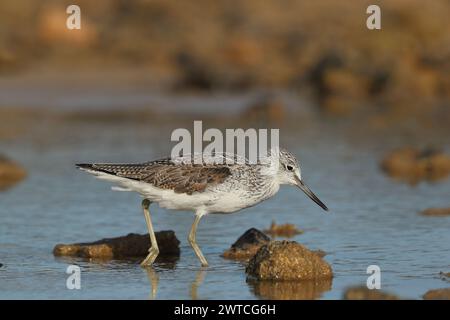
(85,166)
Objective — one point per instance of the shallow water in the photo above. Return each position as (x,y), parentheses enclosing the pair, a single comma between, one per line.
(373,220)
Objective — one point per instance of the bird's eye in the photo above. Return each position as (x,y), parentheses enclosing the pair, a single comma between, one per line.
(290,168)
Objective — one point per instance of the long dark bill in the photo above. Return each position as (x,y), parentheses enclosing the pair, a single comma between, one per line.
(310,194)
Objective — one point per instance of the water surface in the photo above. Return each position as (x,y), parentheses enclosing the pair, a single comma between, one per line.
(372,220)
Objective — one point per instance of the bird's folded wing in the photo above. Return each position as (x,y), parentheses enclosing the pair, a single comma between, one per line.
(187,178)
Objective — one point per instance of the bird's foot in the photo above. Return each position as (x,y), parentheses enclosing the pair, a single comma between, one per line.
(153,254)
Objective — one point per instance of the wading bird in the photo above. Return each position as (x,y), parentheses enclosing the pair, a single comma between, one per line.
(209,187)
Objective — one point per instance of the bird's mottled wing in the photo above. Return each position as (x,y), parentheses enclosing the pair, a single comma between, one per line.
(164,174)
(186,178)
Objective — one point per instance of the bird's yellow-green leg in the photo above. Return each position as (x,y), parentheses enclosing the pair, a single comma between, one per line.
(154,250)
(193,241)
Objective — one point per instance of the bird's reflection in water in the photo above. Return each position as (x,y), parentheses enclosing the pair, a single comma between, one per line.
(153,278)
(290,290)
(199,277)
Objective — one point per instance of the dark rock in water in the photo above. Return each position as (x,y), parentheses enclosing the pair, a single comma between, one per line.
(250,238)
(290,290)
(247,245)
(1,265)
(436,212)
(287,260)
(10,173)
(364,293)
(130,246)
(437,294)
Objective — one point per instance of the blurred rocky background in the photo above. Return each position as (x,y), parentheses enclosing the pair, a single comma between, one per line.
(317,48)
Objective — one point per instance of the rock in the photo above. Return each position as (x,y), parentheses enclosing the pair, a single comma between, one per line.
(247,245)
(1,265)
(436,212)
(363,293)
(318,69)
(243,52)
(413,165)
(282,230)
(337,105)
(10,173)
(130,246)
(195,74)
(445,275)
(320,253)
(340,89)
(290,290)
(437,294)
(287,260)
(344,91)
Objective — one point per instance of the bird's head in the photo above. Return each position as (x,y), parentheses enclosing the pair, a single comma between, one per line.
(289,173)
